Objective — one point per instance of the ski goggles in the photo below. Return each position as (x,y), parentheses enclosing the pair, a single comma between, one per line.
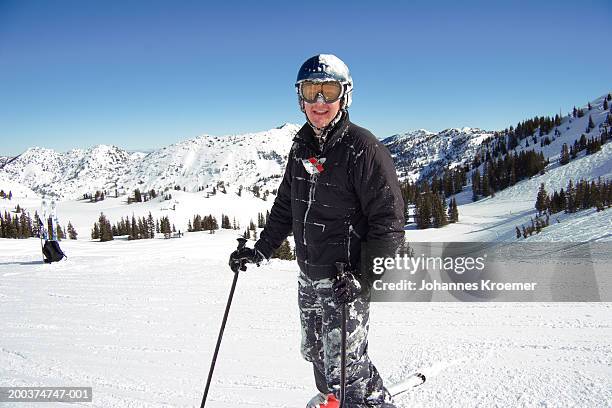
(331,91)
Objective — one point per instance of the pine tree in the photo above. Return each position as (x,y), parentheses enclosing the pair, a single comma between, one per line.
(134,229)
(540,204)
(150,226)
(453,212)
(570,194)
(106,233)
(142,229)
(60,233)
(475,184)
(72,234)
(564,158)
(95,232)
(605,104)
(284,252)
(439,211)
(423,210)
(591,124)
(485,187)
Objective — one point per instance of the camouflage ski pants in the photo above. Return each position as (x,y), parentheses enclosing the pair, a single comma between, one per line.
(321,343)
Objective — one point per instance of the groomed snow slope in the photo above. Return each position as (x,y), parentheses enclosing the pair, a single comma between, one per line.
(138,321)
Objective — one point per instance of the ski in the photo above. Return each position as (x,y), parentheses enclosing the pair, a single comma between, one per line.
(410,382)
(44,220)
(54,222)
(48,232)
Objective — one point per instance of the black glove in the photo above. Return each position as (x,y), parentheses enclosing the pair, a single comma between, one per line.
(239,258)
(346,288)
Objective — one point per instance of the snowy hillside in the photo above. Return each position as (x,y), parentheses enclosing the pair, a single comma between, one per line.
(245,159)
(4,160)
(495,218)
(137,321)
(241,159)
(421,153)
(69,174)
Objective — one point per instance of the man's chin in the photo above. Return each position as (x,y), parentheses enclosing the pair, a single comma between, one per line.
(320,124)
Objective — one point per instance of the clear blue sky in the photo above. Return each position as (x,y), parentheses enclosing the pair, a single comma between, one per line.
(144,74)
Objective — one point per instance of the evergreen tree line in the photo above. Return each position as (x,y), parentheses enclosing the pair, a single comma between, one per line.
(579,196)
(590,145)
(227,224)
(582,195)
(492,146)
(262,219)
(451,182)
(21,225)
(536,226)
(506,172)
(578,113)
(430,210)
(528,128)
(205,223)
(134,228)
(94,198)
(140,197)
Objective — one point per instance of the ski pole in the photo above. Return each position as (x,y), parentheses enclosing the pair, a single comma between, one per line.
(343,358)
(241,243)
(340,267)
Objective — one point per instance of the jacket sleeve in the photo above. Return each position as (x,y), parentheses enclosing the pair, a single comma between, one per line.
(377,188)
(280,221)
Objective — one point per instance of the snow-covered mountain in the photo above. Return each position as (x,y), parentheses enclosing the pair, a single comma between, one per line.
(247,159)
(257,158)
(4,160)
(420,153)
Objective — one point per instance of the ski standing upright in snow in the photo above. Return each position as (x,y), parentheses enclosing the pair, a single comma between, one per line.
(49,238)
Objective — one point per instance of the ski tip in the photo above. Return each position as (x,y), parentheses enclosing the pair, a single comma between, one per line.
(411,381)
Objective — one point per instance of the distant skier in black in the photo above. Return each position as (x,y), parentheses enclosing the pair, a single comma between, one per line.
(339,192)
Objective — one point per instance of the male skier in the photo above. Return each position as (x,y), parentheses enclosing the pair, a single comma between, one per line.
(339,194)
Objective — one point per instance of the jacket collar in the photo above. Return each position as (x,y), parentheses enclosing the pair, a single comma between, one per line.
(307,136)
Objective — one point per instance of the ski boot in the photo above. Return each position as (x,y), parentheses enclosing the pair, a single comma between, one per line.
(323,401)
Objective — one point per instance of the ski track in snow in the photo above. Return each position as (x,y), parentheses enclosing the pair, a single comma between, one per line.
(138,322)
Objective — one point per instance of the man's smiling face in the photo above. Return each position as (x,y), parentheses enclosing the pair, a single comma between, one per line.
(321,114)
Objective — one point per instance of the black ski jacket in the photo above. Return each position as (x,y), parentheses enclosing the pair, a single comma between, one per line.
(336,198)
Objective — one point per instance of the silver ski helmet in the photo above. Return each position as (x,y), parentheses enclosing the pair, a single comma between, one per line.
(322,68)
